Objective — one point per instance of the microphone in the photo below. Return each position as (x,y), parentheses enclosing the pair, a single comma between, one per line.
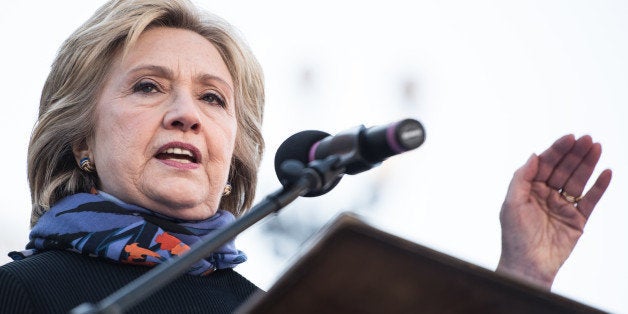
(358,148)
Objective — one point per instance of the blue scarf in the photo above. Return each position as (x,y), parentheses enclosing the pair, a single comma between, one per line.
(103,226)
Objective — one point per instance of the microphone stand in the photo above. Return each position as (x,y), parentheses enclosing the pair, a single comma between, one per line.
(319,174)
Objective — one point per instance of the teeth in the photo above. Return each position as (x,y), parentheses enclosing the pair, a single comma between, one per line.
(179,151)
(183,161)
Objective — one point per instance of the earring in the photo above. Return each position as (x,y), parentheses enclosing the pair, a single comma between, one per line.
(227,190)
(87,165)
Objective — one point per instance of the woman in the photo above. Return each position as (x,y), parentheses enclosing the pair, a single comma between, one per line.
(149,118)
(148,105)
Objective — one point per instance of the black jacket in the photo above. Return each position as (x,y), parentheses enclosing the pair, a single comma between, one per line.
(58,281)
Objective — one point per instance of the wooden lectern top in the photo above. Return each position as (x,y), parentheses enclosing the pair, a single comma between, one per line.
(356,268)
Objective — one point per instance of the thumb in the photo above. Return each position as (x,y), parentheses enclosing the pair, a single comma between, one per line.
(521,183)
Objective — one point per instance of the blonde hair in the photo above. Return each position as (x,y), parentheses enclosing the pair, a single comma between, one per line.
(67,104)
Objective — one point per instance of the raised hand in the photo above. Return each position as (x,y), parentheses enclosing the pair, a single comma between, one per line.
(544,213)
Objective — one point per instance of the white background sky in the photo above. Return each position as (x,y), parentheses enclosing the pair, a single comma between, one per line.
(492,81)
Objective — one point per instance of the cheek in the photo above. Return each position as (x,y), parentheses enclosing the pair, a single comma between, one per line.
(223,141)
(232,136)
(231,140)
(221,147)
(109,157)
(111,135)
(118,144)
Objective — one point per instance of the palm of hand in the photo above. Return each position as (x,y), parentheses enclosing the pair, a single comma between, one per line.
(540,227)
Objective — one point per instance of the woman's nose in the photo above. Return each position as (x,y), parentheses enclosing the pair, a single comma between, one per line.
(183,114)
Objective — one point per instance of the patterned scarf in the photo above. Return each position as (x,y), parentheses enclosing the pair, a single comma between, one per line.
(104,226)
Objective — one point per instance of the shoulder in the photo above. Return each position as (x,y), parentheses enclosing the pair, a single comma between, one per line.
(236,281)
(62,280)
(14,297)
(53,281)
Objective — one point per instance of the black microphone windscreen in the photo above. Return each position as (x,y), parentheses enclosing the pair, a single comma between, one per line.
(297,147)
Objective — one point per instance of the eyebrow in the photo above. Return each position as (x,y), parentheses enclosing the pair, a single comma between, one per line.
(159,70)
(169,74)
(209,77)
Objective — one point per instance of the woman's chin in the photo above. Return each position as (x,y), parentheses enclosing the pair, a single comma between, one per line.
(187,205)
(179,211)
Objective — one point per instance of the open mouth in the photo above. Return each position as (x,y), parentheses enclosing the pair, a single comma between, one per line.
(179,153)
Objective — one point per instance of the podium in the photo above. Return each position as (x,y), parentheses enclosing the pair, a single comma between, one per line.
(353,267)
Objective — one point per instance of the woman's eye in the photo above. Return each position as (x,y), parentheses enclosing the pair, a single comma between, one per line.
(213,99)
(145,87)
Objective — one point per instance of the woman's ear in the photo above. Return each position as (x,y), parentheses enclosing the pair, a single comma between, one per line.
(81,151)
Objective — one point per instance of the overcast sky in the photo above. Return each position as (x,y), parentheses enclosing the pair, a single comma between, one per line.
(492,81)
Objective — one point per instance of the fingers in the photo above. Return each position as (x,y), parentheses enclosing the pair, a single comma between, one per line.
(568,165)
(570,161)
(588,202)
(550,158)
(579,178)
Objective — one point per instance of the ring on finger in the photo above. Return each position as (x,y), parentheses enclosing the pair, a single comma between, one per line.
(570,198)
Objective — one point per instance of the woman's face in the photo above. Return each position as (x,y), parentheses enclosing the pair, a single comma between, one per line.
(166,125)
